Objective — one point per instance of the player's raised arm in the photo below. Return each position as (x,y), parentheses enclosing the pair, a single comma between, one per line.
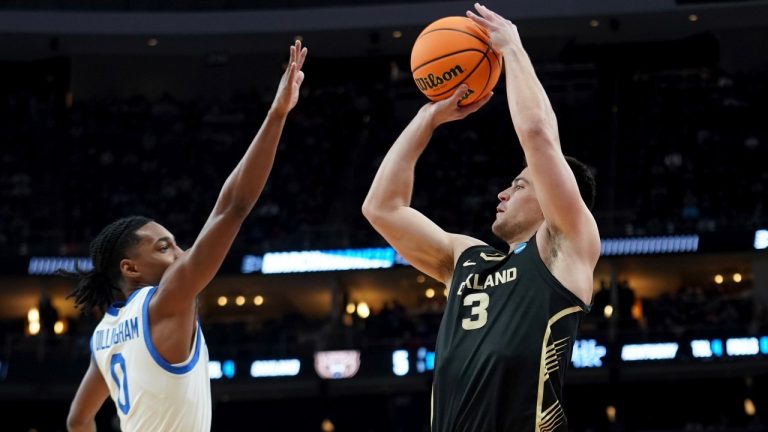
(536,125)
(195,269)
(387,206)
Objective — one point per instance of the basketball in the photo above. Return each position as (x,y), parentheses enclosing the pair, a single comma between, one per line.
(453,51)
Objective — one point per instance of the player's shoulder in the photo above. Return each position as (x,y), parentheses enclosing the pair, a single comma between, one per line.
(470,248)
(462,244)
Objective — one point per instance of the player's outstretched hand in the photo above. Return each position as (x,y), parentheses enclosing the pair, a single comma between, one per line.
(288,91)
(502,32)
(448,110)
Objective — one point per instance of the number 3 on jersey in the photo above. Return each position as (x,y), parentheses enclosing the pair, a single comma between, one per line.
(117,364)
(479,312)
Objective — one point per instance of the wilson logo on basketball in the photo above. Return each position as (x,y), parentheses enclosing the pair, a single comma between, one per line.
(433,81)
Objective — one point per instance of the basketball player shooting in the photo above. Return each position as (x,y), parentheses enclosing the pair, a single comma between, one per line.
(508,328)
(148,352)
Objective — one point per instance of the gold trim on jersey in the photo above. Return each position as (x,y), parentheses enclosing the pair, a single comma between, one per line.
(492,256)
(431,406)
(552,417)
(549,419)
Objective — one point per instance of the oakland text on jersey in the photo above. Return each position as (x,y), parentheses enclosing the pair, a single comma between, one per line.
(473,281)
(431,81)
(124,331)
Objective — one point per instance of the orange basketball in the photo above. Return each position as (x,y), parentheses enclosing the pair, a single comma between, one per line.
(453,51)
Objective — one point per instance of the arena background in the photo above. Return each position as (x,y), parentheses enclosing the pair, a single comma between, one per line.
(117,107)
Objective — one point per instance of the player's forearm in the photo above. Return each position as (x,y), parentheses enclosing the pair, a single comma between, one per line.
(532,114)
(245,184)
(393,185)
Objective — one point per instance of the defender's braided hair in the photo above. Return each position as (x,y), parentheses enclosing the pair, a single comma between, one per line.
(96,288)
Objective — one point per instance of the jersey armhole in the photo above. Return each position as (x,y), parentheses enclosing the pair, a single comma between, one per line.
(177,369)
(558,286)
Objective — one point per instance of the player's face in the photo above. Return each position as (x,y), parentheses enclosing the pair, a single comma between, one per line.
(156,251)
(518,210)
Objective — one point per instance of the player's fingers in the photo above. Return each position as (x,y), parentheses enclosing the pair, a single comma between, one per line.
(302,57)
(478,20)
(485,12)
(458,94)
(291,72)
(291,58)
(299,78)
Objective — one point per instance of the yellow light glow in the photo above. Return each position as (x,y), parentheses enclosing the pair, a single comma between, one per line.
(350,308)
(749,407)
(362,310)
(34,327)
(430,292)
(327,426)
(33,315)
(610,412)
(258,300)
(445,292)
(397,34)
(594,23)
(608,312)
(59,327)
(718,279)
(693,17)
(222,301)
(420,279)
(737,277)
(239,300)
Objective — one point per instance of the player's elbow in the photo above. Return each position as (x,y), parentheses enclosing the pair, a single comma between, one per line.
(371,211)
(78,423)
(539,133)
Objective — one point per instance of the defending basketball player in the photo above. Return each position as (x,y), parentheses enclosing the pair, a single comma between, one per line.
(508,328)
(148,352)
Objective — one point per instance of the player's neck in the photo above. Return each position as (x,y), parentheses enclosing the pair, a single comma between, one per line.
(521,237)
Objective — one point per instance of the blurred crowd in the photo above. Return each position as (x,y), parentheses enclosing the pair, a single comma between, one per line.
(688,156)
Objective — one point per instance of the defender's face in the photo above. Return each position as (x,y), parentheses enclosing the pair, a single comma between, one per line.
(156,251)
(518,209)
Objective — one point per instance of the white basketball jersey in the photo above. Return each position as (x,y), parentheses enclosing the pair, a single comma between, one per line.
(150,394)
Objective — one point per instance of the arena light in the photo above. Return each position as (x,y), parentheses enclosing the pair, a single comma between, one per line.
(587,354)
(764,345)
(228,368)
(400,363)
(425,360)
(649,351)
(337,364)
(649,245)
(251,264)
(701,348)
(33,327)
(275,368)
(363,311)
(214,369)
(33,315)
(327,260)
(717,347)
(742,346)
(761,239)
(60,327)
(749,407)
(51,265)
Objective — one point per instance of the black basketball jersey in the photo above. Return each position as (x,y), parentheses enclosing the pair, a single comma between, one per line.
(504,344)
